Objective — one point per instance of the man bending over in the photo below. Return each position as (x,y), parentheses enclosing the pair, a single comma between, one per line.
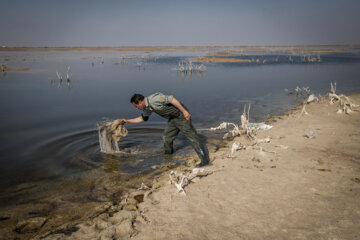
(179,121)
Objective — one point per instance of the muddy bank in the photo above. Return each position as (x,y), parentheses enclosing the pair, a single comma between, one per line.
(60,205)
(296,185)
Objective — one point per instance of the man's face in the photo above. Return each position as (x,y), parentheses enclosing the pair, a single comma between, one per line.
(140,105)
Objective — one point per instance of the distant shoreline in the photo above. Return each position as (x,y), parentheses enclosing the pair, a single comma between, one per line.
(96,49)
(173,48)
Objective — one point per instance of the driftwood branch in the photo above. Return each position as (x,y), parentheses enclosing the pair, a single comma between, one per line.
(181,180)
(345,104)
(245,123)
(236,146)
(234,132)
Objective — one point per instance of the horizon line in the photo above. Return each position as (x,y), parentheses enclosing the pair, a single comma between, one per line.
(162,47)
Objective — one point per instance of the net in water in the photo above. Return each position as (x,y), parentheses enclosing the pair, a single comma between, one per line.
(110,133)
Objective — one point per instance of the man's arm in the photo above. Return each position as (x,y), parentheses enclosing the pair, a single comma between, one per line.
(178,105)
(133,120)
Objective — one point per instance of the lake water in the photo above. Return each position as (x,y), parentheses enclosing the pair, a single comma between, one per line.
(48,133)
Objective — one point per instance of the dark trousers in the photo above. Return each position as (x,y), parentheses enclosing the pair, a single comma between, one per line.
(185,127)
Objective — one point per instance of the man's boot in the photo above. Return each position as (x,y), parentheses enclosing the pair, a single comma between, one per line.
(204,157)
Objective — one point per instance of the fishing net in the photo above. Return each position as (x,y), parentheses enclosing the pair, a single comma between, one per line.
(110,133)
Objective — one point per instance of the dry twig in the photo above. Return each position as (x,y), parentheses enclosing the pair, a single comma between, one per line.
(181,180)
(345,104)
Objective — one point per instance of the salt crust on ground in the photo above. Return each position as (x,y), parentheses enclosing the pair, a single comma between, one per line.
(291,188)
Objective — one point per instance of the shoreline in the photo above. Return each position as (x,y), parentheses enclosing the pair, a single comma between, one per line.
(291,186)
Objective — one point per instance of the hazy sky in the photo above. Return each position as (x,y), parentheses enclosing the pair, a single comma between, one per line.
(180,22)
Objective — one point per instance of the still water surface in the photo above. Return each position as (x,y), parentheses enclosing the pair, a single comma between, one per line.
(48,128)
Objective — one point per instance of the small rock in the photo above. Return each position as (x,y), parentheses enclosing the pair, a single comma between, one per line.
(309,134)
(139,198)
(131,204)
(101,225)
(137,195)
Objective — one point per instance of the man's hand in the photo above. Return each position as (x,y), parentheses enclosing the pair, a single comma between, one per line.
(187,115)
(178,105)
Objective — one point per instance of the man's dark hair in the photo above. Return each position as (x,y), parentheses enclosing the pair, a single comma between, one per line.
(136,98)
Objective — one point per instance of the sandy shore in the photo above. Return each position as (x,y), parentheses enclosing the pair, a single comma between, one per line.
(292,187)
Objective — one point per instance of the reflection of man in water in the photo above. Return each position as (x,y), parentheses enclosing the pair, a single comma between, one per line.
(179,121)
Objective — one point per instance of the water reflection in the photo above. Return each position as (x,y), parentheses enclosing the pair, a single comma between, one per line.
(68,83)
(186,68)
(189,75)
(140,66)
